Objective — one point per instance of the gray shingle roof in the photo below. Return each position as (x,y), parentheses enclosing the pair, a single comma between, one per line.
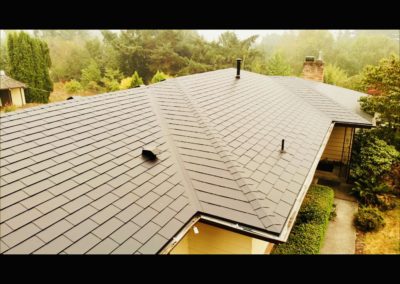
(73,179)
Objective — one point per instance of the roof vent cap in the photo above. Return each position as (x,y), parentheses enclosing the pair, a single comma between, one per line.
(73,97)
(238,61)
(150,153)
(310,58)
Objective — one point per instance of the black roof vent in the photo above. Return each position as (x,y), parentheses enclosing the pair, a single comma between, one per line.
(283,146)
(238,61)
(73,97)
(150,153)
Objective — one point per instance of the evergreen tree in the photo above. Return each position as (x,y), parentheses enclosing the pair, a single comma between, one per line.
(136,80)
(29,62)
(91,73)
(277,66)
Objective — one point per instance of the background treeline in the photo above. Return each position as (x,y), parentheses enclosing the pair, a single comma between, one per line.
(107,60)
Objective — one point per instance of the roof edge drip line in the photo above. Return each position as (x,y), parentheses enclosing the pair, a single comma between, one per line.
(307,182)
(229,225)
(179,236)
(355,125)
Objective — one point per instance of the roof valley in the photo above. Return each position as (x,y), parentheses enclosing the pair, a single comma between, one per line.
(188,166)
(172,147)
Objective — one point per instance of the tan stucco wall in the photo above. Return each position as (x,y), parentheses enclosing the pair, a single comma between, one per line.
(334,148)
(214,240)
(18,96)
(23,95)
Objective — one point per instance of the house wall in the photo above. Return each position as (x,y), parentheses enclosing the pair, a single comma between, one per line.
(334,148)
(18,96)
(23,95)
(214,240)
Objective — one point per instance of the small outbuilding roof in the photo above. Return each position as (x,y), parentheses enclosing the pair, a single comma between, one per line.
(8,82)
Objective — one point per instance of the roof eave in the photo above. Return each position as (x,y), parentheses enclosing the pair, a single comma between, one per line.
(354,124)
(306,185)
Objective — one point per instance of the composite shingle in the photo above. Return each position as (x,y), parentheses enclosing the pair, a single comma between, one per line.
(72,172)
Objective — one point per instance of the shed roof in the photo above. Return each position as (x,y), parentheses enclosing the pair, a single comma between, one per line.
(73,179)
(9,83)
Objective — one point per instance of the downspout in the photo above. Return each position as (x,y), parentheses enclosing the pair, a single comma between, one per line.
(350,154)
(341,158)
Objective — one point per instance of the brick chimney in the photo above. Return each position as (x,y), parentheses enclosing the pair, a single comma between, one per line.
(313,69)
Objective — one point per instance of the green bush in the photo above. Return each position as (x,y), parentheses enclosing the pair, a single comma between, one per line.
(368,219)
(315,205)
(386,202)
(372,160)
(93,86)
(125,83)
(136,80)
(308,232)
(304,238)
(73,87)
(158,77)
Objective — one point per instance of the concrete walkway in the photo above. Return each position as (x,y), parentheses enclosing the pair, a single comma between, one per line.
(340,237)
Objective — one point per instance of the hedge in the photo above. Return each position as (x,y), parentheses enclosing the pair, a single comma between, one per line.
(308,232)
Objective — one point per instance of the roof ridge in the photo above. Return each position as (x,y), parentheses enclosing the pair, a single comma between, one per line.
(191,193)
(234,168)
(309,88)
(303,82)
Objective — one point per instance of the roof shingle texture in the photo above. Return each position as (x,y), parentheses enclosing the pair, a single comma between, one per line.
(73,179)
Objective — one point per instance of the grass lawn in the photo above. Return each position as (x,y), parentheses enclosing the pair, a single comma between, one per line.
(60,94)
(387,240)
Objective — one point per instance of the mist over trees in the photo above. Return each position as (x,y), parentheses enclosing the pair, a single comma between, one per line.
(107,60)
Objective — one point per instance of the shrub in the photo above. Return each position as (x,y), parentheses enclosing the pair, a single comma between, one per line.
(93,86)
(158,77)
(386,202)
(125,83)
(368,219)
(136,80)
(73,87)
(308,232)
(372,160)
(318,200)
